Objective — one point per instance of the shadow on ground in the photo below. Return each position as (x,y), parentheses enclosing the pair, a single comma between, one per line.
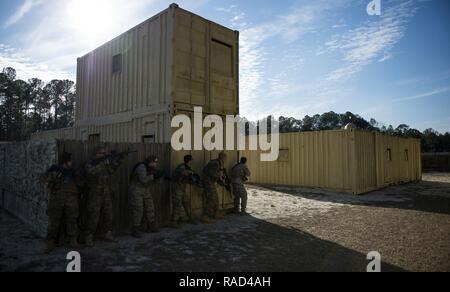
(236,244)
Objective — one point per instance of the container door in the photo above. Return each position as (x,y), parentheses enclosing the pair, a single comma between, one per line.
(223,98)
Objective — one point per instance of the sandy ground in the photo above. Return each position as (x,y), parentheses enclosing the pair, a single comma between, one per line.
(288,230)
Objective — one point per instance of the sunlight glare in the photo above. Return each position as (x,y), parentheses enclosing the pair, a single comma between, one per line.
(91,18)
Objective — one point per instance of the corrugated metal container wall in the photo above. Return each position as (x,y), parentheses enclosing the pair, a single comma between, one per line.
(206,66)
(349,161)
(201,158)
(154,127)
(172,62)
(366,163)
(206,75)
(398,160)
(82,152)
(311,159)
(142,78)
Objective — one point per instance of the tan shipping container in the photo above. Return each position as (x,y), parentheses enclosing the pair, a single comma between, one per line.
(129,89)
(174,61)
(349,161)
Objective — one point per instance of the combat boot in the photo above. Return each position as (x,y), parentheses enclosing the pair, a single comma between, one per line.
(110,237)
(51,245)
(136,233)
(89,241)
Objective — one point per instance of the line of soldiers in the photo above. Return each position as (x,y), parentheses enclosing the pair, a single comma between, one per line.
(64,183)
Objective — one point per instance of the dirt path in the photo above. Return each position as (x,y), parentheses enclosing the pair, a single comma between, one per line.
(289,230)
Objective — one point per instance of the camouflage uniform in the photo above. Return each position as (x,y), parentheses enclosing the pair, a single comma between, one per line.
(212,173)
(99,201)
(180,201)
(141,198)
(63,200)
(239,174)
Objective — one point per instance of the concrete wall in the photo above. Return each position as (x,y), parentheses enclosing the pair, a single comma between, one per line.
(21,192)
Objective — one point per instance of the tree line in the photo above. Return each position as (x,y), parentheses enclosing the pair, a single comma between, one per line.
(432,140)
(33,106)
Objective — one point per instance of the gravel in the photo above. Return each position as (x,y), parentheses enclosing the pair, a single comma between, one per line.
(288,230)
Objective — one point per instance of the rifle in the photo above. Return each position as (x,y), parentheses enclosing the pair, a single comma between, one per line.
(54,183)
(61,176)
(225,180)
(119,156)
(159,174)
(196,180)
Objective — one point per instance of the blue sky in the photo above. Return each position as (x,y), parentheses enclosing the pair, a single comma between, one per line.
(297,57)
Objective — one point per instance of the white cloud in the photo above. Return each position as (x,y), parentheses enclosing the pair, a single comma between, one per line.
(371,41)
(27,69)
(434,78)
(287,28)
(426,94)
(229,9)
(410,81)
(336,26)
(314,104)
(50,49)
(385,57)
(56,40)
(26,7)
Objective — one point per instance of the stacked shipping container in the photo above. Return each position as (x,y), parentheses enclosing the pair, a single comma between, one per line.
(129,89)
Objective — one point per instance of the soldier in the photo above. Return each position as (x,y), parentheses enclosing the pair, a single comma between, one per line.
(141,198)
(62,182)
(99,202)
(183,175)
(239,175)
(213,173)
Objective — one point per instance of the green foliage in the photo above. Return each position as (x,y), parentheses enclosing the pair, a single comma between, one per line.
(432,141)
(32,106)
